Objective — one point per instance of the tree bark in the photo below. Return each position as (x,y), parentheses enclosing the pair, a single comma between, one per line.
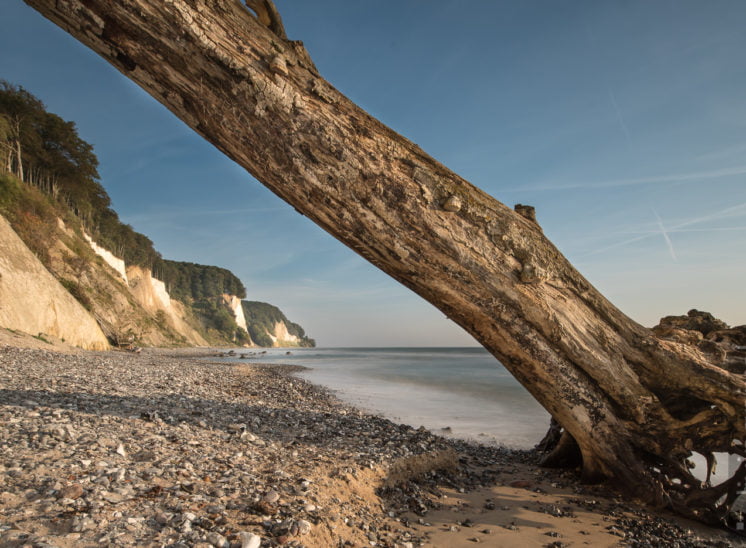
(635,406)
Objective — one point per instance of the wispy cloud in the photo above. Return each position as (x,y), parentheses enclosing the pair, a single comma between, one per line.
(737,210)
(665,235)
(676,230)
(333,293)
(657,179)
(723,154)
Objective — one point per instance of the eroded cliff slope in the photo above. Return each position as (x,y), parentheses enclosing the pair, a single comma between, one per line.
(33,301)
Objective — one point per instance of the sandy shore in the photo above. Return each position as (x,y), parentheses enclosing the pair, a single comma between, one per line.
(164,449)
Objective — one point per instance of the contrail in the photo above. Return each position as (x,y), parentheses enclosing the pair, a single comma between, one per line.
(674,230)
(665,235)
(732,211)
(723,213)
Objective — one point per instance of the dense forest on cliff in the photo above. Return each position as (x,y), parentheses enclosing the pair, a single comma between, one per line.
(186,280)
(261,319)
(45,151)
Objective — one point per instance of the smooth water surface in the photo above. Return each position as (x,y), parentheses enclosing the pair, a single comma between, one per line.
(464,389)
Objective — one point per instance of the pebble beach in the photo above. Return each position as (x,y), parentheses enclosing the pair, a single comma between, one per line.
(167,448)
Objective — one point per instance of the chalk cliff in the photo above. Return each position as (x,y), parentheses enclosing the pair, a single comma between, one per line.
(234,303)
(282,337)
(149,292)
(86,295)
(32,300)
(130,306)
(113,261)
(152,295)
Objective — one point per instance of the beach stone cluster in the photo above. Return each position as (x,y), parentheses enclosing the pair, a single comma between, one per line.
(165,448)
(158,449)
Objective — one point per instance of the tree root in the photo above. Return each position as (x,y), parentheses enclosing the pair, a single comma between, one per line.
(673,484)
(711,505)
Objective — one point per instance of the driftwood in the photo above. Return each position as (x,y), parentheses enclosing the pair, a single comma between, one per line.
(632,407)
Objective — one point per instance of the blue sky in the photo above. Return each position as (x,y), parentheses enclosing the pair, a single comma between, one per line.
(623,123)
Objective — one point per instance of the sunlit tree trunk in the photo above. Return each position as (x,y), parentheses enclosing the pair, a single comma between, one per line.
(17,149)
(631,407)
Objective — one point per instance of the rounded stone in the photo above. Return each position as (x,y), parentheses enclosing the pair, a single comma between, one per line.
(272,497)
(72,492)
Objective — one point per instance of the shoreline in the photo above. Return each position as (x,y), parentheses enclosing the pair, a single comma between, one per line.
(165,448)
(455,392)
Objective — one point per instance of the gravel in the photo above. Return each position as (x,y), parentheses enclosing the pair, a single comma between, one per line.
(164,449)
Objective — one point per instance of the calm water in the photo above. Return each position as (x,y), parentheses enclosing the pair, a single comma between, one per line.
(465,389)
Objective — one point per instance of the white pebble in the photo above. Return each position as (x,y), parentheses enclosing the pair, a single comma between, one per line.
(249,540)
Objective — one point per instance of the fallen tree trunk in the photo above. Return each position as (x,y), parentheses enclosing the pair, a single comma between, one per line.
(631,406)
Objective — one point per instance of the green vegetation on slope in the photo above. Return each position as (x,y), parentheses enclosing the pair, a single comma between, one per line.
(31,213)
(217,319)
(202,286)
(47,172)
(197,281)
(44,150)
(261,319)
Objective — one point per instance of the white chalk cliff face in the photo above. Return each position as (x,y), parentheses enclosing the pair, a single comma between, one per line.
(281,337)
(234,303)
(113,261)
(152,295)
(150,292)
(161,294)
(32,300)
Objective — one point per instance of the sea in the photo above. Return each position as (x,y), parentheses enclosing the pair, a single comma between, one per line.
(461,393)
(456,392)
